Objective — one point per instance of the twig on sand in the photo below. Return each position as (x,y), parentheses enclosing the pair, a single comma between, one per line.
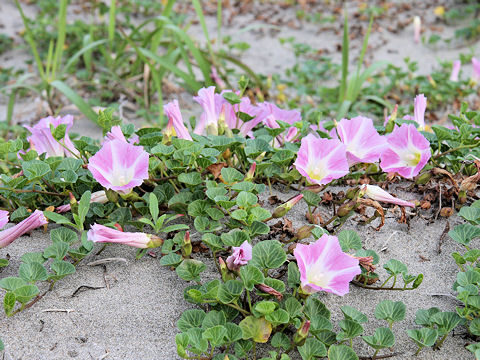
(86,287)
(381,356)
(107,353)
(385,247)
(442,237)
(107,260)
(68,311)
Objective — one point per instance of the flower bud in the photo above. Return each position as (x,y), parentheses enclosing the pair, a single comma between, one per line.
(112,195)
(424,178)
(345,209)
(251,172)
(269,290)
(186,245)
(304,232)
(352,193)
(73,203)
(282,210)
(224,272)
(302,333)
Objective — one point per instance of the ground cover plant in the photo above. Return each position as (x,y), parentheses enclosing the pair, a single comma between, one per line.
(194,190)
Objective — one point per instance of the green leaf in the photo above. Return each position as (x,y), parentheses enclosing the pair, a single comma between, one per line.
(265,307)
(341,352)
(258,228)
(63,234)
(446,321)
(390,311)
(311,198)
(277,317)
(57,218)
(230,291)
(35,169)
(353,314)
(257,329)
(349,240)
(312,349)
(350,329)
(423,317)
(293,307)
(3,263)
(32,272)
(395,267)
(212,241)
(213,318)
(171,259)
(235,237)
(280,340)
(192,178)
(246,199)
(471,214)
(239,214)
(234,332)
(58,250)
(9,302)
(381,339)
(423,337)
(231,175)
(191,318)
(11,283)
(26,293)
(61,269)
(215,335)
(315,307)
(268,254)
(83,206)
(474,327)
(190,269)
(198,343)
(251,276)
(153,206)
(464,233)
(198,208)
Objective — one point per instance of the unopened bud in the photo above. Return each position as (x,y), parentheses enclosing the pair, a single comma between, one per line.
(112,195)
(302,333)
(424,178)
(224,272)
(352,193)
(186,245)
(73,203)
(391,121)
(345,209)
(304,232)
(269,290)
(282,210)
(251,172)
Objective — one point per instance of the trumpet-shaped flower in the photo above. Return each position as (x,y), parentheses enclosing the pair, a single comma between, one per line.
(119,166)
(175,126)
(269,113)
(321,160)
(378,194)
(35,220)
(408,151)
(476,70)
(417,29)
(241,255)
(97,197)
(42,140)
(325,267)
(363,142)
(209,118)
(102,234)
(3,218)
(116,133)
(419,107)
(455,70)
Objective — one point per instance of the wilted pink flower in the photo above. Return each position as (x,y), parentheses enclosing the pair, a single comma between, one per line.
(378,194)
(97,197)
(363,142)
(476,70)
(240,256)
(408,151)
(119,166)
(34,221)
(102,234)
(455,70)
(116,133)
(321,160)
(417,28)
(3,218)
(175,125)
(324,267)
(42,140)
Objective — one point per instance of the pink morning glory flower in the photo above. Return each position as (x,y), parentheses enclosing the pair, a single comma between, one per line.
(325,267)
(363,142)
(455,70)
(378,194)
(43,142)
(209,118)
(3,218)
(321,160)
(119,166)
(419,107)
(408,151)
(102,234)
(96,197)
(241,255)
(35,220)
(269,113)
(476,70)
(417,29)
(175,125)
(116,133)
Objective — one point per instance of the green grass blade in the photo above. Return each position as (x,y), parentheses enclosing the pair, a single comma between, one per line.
(343,110)
(84,50)
(201,18)
(380,101)
(345,49)
(62,31)
(111,22)
(76,99)
(219,24)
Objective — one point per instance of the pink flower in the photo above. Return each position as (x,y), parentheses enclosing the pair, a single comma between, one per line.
(324,267)
(175,125)
(269,113)
(215,77)
(455,70)
(98,197)
(102,234)
(363,142)
(209,118)
(119,166)
(417,29)
(34,221)
(476,70)
(378,194)
(408,151)
(42,140)
(240,256)
(116,133)
(321,160)
(419,107)
(3,218)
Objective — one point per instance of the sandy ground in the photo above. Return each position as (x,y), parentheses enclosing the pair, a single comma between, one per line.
(133,313)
